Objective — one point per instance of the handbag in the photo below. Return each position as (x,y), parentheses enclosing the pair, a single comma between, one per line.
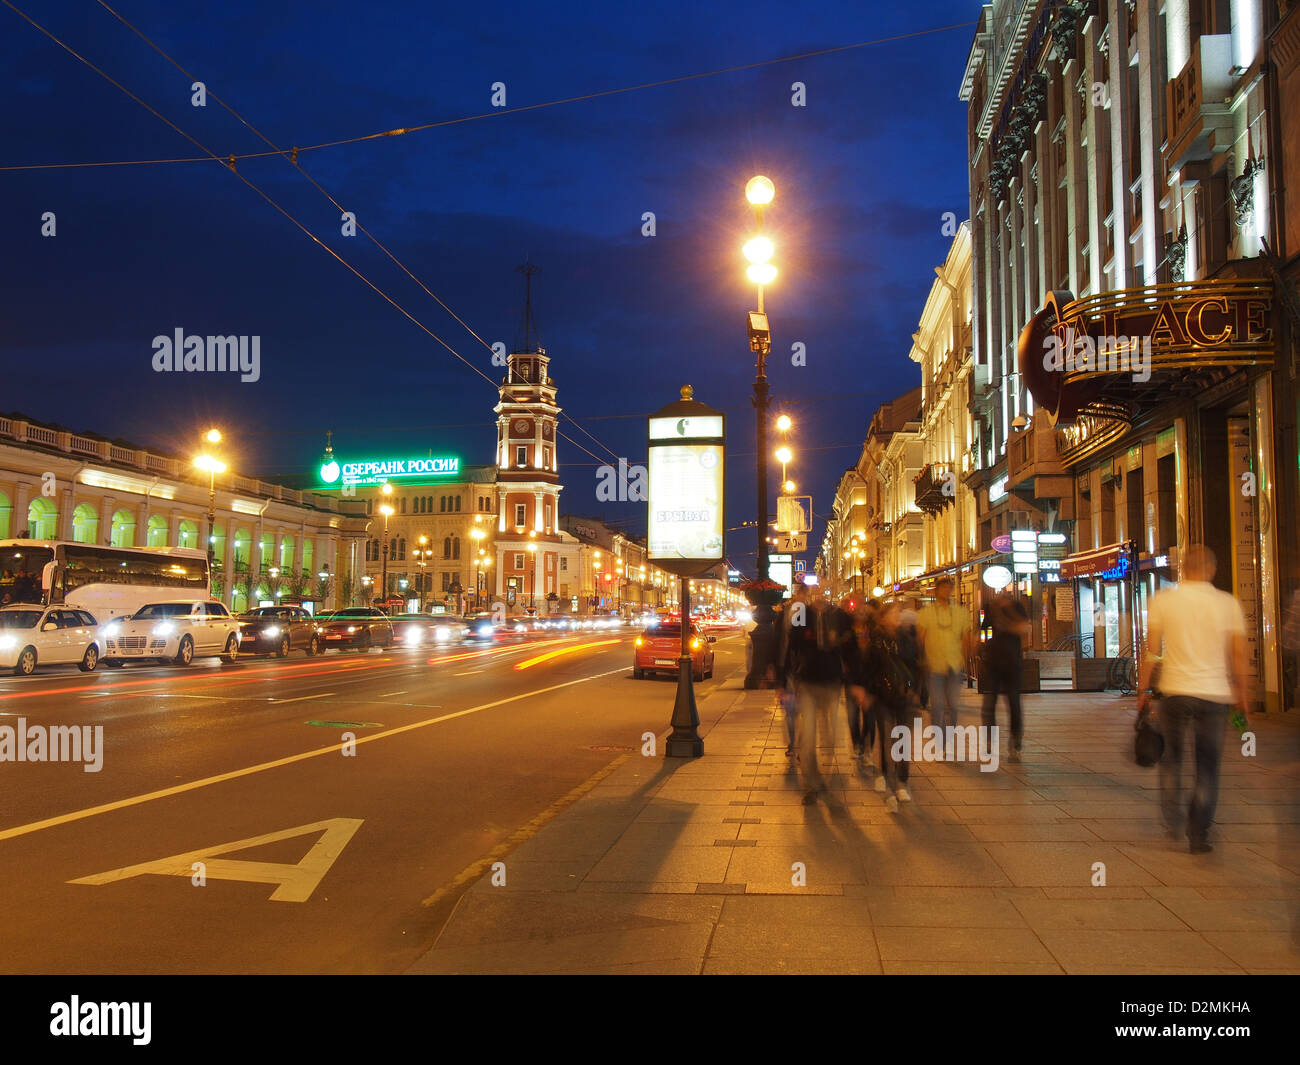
(1148,744)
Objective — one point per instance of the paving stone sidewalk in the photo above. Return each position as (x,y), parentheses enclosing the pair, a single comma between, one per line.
(689,866)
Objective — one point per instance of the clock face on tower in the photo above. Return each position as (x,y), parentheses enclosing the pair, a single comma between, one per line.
(521,426)
(546,430)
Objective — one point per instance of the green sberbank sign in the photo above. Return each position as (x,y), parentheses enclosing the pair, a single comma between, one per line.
(377,471)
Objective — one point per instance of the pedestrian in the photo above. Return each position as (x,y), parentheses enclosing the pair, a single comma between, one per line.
(945,637)
(890,683)
(784,680)
(909,646)
(857,702)
(817,633)
(1202,632)
(1003,659)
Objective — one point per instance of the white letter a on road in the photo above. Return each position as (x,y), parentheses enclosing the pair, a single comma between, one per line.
(296,882)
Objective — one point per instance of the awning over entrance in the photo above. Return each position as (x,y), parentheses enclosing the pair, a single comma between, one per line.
(1111,562)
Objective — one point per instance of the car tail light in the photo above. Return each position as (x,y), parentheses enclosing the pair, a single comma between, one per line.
(639,641)
(695,644)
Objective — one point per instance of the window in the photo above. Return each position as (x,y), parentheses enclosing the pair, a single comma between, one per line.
(546,458)
(401,548)
(564,563)
(521,514)
(403,504)
(442,504)
(455,547)
(521,455)
(446,547)
(519,560)
(392,548)
(458,504)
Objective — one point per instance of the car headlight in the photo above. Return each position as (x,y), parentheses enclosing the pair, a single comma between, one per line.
(352,628)
(110,631)
(8,641)
(165,629)
(441,634)
(413,635)
(272,631)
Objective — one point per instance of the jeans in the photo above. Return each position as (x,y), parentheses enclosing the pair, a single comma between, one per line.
(818,706)
(1207,722)
(790,710)
(862,723)
(894,770)
(1004,679)
(943,698)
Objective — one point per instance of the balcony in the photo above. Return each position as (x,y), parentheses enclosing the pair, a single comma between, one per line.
(1034,459)
(935,487)
(1198,121)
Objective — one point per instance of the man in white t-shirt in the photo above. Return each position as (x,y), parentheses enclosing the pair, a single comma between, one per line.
(1202,675)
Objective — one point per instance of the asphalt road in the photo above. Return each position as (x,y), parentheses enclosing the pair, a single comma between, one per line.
(455,752)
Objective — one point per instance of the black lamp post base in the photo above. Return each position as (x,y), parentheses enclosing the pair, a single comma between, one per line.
(685,742)
(762,668)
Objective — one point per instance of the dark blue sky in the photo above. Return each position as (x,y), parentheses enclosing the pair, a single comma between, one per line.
(864,174)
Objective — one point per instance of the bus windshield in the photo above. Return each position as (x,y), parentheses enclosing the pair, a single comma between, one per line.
(20,573)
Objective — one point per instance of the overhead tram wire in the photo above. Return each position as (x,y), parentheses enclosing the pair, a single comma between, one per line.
(292,159)
(498,112)
(172,125)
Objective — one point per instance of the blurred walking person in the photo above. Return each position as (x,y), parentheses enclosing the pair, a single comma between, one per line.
(890,683)
(1003,661)
(1202,631)
(945,637)
(784,681)
(858,703)
(814,662)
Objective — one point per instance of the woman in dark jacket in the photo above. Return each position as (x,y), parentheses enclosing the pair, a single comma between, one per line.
(889,683)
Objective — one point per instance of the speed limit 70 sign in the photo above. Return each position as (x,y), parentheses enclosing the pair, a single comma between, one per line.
(791,543)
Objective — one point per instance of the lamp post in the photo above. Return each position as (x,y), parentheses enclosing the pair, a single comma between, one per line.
(421,554)
(212,465)
(759,191)
(532,574)
(386,510)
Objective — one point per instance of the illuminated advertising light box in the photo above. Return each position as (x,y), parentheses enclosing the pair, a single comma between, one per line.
(412,470)
(686,490)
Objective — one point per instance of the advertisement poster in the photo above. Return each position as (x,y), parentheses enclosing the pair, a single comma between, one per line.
(686,486)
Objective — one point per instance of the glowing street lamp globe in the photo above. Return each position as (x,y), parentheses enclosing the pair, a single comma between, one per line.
(759,190)
(758,249)
(784,423)
(761,273)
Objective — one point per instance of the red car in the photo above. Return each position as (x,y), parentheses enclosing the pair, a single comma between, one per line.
(659,647)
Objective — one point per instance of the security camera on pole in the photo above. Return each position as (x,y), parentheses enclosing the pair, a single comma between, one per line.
(685,527)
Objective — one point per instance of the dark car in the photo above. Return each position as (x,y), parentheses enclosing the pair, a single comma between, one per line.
(358,627)
(278,630)
(482,626)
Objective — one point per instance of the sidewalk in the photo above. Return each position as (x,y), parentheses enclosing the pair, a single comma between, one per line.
(686,866)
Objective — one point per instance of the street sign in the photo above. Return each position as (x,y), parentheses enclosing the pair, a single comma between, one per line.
(792,543)
(793,514)
(800,565)
(686,477)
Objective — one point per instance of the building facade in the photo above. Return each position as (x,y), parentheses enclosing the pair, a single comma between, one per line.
(270,543)
(1126,327)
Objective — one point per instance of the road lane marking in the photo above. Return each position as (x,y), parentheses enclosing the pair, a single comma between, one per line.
(528,663)
(235,774)
(296,882)
(301,698)
(385,695)
(468,672)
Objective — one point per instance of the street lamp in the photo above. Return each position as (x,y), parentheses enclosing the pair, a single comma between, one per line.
(532,574)
(421,554)
(760,191)
(211,465)
(387,511)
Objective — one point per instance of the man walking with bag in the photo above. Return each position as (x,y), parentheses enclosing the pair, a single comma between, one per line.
(945,633)
(1202,631)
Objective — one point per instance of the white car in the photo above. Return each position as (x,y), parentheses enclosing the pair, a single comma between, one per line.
(36,634)
(176,631)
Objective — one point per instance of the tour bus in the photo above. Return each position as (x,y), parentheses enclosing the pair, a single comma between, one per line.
(107,582)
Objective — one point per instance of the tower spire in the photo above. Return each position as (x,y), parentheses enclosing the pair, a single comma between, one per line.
(528,269)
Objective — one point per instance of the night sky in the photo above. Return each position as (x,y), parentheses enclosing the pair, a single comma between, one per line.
(864,174)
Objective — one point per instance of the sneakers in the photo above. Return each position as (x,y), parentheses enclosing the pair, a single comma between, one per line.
(1013,754)
(904,795)
(879,785)
(809,798)
(1200,846)
(891,804)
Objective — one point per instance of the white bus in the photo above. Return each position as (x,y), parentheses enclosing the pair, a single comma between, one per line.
(108,582)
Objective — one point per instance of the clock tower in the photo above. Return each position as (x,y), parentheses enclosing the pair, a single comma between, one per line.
(528,480)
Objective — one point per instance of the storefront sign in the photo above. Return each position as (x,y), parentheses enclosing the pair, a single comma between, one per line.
(997,577)
(412,470)
(1002,542)
(1107,563)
